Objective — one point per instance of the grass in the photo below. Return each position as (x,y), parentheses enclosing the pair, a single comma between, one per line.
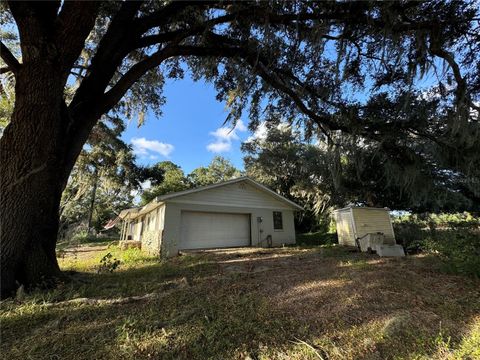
(292,303)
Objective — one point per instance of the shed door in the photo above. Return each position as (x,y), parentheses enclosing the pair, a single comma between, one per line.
(203,230)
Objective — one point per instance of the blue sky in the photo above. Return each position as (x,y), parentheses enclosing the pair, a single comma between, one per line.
(190,131)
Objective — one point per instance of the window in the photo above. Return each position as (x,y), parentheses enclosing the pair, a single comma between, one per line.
(277,220)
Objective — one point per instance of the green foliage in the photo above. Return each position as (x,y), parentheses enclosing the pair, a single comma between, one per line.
(219,169)
(134,256)
(294,169)
(7,100)
(102,180)
(442,220)
(82,237)
(173,180)
(108,263)
(459,250)
(454,238)
(317,238)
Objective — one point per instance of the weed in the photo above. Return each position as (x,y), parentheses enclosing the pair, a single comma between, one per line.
(108,263)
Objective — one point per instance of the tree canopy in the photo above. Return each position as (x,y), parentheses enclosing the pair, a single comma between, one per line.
(219,169)
(174,179)
(399,78)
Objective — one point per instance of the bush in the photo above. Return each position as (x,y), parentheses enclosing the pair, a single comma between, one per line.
(108,263)
(413,230)
(459,250)
(317,238)
(83,237)
(410,235)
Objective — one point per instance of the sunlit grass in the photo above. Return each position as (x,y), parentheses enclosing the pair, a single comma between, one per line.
(291,303)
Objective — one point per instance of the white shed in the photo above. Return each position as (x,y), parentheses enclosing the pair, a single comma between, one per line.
(234,213)
(356,222)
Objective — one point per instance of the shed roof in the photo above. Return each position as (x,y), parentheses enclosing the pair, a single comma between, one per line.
(361,207)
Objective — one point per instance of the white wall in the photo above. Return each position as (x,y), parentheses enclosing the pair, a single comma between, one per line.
(344,223)
(241,194)
(152,233)
(373,221)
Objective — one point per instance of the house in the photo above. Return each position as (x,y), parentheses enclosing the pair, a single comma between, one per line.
(356,222)
(234,213)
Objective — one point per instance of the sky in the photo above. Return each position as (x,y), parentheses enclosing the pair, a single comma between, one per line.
(190,131)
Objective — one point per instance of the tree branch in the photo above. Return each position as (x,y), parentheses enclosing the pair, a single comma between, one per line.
(4,70)
(9,59)
(162,15)
(73,25)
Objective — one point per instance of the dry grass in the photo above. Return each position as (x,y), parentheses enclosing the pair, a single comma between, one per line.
(288,303)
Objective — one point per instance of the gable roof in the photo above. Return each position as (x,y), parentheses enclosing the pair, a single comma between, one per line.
(228,182)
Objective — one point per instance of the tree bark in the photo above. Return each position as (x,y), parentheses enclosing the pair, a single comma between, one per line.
(32,178)
(92,200)
(34,161)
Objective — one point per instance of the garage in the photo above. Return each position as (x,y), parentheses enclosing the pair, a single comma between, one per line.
(203,230)
(234,213)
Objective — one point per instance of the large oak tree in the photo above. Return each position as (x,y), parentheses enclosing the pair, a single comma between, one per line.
(324,63)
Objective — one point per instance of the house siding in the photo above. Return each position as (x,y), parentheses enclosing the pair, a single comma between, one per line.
(240,194)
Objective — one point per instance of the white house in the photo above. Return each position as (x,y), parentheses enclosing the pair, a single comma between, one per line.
(234,213)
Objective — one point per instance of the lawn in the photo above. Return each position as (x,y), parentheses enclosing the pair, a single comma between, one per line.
(292,303)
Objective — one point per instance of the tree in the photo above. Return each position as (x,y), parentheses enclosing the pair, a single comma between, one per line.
(295,169)
(319,176)
(219,169)
(103,178)
(173,180)
(275,56)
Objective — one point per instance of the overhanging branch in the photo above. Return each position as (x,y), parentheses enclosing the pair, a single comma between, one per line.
(9,59)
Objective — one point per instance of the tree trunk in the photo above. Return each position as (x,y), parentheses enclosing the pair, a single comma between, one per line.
(32,178)
(92,200)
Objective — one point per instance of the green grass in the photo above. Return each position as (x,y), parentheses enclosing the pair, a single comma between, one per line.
(292,303)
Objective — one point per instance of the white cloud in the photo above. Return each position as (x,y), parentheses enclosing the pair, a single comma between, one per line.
(219,146)
(224,137)
(260,132)
(240,126)
(225,134)
(145,148)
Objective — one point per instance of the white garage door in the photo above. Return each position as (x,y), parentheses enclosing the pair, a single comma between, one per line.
(202,230)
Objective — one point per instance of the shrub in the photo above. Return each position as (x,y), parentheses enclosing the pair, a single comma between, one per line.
(410,235)
(83,237)
(412,230)
(108,263)
(459,250)
(317,238)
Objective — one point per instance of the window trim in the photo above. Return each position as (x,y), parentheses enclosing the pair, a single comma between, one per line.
(281,220)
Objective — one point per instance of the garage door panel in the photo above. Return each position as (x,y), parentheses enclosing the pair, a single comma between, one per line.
(200,230)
